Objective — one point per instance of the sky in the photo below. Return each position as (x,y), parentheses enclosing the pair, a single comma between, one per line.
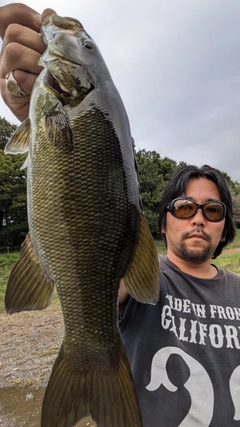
(176,64)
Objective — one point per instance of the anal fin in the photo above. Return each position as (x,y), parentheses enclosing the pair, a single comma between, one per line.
(142,280)
(28,287)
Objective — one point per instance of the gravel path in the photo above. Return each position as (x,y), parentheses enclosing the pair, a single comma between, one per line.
(30,342)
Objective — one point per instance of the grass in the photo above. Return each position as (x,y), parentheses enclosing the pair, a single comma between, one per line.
(236,242)
(6,263)
(229,261)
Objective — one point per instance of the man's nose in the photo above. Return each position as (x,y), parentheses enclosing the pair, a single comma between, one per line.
(199,218)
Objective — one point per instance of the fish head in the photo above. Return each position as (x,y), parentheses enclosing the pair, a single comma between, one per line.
(72,61)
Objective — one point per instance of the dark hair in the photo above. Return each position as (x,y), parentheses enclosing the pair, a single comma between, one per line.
(177,186)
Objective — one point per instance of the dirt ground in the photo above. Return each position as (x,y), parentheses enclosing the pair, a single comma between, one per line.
(231,250)
(29,344)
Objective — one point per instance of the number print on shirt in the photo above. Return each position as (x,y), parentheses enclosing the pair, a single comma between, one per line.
(235,392)
(198,385)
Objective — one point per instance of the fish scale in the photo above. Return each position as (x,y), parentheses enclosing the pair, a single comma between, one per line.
(87,229)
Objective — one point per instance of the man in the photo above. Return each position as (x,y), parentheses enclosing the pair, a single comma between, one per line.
(184,351)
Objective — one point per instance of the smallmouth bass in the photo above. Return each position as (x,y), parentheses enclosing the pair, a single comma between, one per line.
(87,229)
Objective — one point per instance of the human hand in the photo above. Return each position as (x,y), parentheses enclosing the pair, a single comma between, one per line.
(21,50)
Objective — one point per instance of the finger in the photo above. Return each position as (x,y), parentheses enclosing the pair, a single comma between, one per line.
(21,50)
(19,106)
(47,12)
(18,13)
(17,56)
(26,80)
(25,36)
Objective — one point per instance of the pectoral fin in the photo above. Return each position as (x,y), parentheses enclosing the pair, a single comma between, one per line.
(28,288)
(58,127)
(142,280)
(20,139)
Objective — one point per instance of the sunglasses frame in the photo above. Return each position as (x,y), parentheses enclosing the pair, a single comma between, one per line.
(170,208)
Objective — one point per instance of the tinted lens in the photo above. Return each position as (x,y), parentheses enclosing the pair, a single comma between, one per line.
(214,211)
(184,208)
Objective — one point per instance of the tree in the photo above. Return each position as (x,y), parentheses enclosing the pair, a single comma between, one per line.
(234,187)
(6,130)
(154,173)
(13,201)
(236,209)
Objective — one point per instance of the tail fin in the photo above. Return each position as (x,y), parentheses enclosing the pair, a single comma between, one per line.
(99,396)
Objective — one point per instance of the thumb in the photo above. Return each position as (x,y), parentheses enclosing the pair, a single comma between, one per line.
(47,12)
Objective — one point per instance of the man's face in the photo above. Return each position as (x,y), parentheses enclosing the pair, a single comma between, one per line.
(195,239)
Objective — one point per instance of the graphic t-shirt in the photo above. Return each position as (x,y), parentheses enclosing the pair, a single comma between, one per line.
(185,351)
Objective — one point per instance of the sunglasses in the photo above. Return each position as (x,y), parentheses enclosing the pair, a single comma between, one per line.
(184,208)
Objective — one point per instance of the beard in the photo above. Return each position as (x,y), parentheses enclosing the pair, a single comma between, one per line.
(195,255)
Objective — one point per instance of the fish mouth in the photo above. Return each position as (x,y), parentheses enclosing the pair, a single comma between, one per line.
(55,85)
(70,96)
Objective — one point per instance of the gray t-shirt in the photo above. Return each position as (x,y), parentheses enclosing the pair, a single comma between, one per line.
(185,351)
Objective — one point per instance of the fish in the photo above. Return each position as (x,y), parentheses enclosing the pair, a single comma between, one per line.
(87,228)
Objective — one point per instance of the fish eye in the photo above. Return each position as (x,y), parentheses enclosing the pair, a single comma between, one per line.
(88,44)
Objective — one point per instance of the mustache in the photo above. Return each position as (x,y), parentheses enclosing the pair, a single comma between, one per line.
(189,234)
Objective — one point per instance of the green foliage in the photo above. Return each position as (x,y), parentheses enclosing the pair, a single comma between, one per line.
(13,202)
(6,263)
(154,173)
(161,247)
(6,130)
(235,192)
(235,243)
(233,185)
(229,261)
(236,209)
